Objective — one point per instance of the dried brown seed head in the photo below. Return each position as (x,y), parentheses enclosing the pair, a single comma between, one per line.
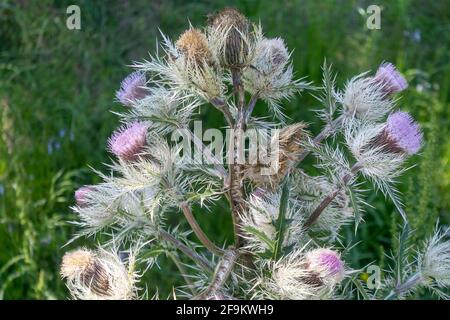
(194,46)
(96,278)
(236,46)
(76,262)
(289,147)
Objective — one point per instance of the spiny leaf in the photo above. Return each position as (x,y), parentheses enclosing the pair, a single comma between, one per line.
(262,237)
(281,222)
(401,253)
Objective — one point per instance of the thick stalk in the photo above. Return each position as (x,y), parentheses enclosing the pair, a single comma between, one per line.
(251,106)
(328,199)
(185,249)
(236,169)
(198,230)
(221,274)
(410,283)
(221,105)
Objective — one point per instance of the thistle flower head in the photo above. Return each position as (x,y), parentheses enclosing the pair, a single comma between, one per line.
(390,78)
(271,54)
(132,88)
(270,75)
(194,46)
(365,99)
(403,133)
(237,29)
(310,276)
(82,195)
(76,262)
(326,263)
(97,275)
(129,141)
(435,261)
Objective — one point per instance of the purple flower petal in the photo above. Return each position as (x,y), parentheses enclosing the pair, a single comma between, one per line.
(132,88)
(82,195)
(390,78)
(404,132)
(128,142)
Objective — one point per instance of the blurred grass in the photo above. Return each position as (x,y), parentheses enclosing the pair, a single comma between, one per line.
(57,89)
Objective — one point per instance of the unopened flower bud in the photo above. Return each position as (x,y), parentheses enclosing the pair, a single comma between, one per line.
(236,45)
(82,195)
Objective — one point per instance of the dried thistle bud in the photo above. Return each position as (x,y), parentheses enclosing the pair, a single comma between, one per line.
(132,88)
(194,46)
(237,28)
(76,263)
(82,196)
(289,147)
(96,275)
(390,79)
(87,268)
(128,142)
(401,134)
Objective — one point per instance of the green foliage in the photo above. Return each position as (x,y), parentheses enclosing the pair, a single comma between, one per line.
(57,89)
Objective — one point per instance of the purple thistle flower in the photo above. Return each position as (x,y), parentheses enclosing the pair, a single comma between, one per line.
(331,261)
(325,262)
(390,78)
(129,141)
(132,88)
(402,133)
(82,195)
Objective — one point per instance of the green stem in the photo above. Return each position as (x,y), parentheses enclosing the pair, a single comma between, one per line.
(325,133)
(182,270)
(185,249)
(198,230)
(221,274)
(325,202)
(410,283)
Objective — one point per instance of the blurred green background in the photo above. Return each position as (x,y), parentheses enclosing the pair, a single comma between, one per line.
(57,90)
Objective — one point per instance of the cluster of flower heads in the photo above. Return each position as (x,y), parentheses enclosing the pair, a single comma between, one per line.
(283,215)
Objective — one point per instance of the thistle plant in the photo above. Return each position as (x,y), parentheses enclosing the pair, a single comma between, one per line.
(287,222)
